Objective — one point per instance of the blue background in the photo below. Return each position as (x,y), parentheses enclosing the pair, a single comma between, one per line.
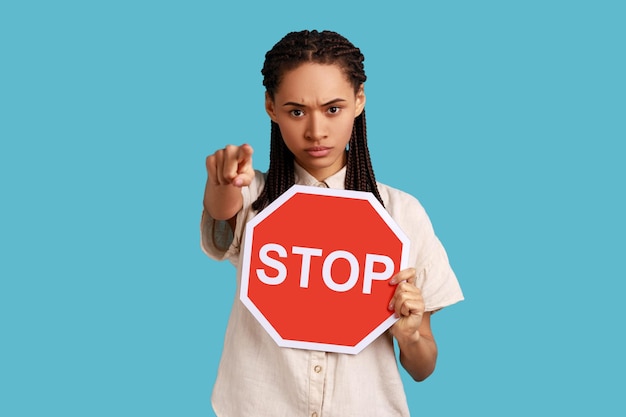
(505,118)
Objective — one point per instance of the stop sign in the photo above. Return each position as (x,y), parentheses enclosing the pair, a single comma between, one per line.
(316,267)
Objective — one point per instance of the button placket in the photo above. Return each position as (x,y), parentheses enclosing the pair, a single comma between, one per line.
(317,377)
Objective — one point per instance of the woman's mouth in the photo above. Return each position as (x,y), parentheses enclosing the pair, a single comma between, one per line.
(318,151)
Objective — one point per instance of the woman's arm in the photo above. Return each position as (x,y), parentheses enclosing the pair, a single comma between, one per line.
(418,350)
(228,170)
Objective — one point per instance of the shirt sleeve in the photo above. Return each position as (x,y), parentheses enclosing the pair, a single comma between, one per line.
(435,277)
(438,282)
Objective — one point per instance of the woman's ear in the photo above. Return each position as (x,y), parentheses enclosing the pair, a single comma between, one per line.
(360,101)
(269,107)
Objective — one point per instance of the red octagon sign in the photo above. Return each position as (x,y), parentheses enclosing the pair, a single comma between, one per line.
(316,267)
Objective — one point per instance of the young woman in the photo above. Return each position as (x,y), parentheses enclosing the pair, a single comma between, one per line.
(315,99)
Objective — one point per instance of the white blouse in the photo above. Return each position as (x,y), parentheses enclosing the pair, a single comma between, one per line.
(256,377)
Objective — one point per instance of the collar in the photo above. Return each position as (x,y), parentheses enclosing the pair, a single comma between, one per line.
(336,181)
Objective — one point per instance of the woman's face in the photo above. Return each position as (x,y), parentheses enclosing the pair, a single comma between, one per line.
(315,106)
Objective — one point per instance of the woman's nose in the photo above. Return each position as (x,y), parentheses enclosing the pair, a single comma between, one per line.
(316,128)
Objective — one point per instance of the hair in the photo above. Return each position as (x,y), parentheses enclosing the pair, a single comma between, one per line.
(325,47)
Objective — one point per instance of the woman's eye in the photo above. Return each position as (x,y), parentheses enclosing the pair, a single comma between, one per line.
(297,113)
(333,110)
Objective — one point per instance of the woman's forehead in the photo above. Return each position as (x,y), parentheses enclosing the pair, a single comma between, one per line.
(315,79)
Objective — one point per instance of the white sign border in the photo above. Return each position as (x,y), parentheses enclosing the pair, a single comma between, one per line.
(245,271)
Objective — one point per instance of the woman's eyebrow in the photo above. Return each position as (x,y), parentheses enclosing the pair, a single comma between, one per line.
(333,101)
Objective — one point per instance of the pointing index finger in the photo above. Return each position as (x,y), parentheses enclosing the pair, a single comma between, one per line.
(245,171)
(244,153)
